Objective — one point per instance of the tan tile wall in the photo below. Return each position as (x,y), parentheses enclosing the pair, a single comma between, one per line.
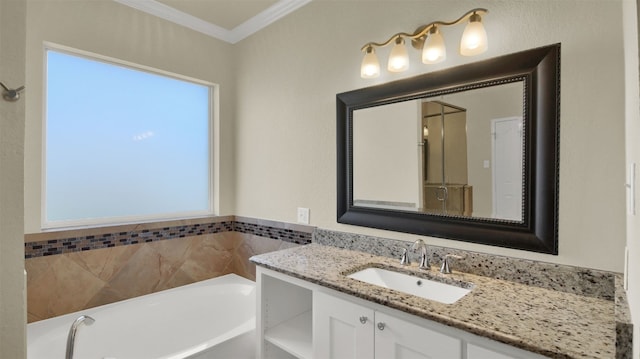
(252,245)
(66,283)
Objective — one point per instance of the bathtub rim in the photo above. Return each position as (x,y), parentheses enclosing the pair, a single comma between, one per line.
(39,329)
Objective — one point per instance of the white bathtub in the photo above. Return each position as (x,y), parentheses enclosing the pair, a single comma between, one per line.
(214,318)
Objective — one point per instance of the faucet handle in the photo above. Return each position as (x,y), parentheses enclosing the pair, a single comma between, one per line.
(404,259)
(445,269)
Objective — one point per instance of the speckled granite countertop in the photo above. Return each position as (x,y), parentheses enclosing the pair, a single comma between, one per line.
(548,322)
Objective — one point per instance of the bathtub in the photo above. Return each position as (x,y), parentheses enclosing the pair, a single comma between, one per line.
(214,318)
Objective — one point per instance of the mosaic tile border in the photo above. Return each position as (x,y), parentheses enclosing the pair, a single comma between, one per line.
(106,240)
(283,234)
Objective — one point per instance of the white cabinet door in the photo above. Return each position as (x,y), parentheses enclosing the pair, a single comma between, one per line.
(341,329)
(399,339)
(344,330)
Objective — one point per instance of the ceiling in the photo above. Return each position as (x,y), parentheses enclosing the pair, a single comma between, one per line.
(227,20)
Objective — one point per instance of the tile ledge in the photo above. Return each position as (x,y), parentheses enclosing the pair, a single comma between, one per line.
(96,230)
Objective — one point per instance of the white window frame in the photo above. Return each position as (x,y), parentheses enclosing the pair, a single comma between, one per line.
(213,144)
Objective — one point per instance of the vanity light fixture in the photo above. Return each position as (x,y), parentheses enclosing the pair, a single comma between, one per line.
(433,50)
(399,57)
(429,39)
(370,65)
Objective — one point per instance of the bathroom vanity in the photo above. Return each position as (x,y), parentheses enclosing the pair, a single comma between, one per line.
(308,307)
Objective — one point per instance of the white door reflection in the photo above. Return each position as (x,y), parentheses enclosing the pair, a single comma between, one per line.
(507,168)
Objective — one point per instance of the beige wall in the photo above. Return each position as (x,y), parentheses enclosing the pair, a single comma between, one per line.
(111,29)
(289,73)
(632,115)
(300,133)
(12,74)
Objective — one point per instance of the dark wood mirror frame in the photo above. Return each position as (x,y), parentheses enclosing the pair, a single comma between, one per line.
(539,69)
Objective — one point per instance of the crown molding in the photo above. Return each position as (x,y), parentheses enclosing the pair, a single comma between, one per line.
(242,31)
(265,18)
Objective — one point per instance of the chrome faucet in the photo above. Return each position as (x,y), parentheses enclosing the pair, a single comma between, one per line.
(424,261)
(71,338)
(404,259)
(446,268)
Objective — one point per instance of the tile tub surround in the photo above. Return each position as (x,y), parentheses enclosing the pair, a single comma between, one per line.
(550,322)
(73,279)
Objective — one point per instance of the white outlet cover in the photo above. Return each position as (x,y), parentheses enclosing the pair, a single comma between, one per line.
(303,215)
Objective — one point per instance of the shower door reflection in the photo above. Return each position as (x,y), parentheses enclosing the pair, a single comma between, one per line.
(444,160)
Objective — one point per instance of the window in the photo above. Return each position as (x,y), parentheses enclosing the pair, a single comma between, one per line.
(123,144)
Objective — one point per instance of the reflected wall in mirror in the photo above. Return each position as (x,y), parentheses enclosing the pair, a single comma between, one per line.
(468,153)
(456,154)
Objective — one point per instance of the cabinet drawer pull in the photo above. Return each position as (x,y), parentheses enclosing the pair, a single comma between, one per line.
(363,319)
(381,325)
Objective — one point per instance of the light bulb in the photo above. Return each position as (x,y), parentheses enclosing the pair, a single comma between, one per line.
(434,50)
(370,67)
(399,58)
(474,38)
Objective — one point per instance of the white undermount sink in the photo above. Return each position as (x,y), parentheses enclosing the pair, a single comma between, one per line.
(421,287)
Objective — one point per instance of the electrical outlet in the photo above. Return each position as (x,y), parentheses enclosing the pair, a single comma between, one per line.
(303,215)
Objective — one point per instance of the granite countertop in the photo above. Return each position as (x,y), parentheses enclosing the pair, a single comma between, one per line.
(552,323)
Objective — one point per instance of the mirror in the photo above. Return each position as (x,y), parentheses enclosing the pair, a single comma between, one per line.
(454,154)
(468,153)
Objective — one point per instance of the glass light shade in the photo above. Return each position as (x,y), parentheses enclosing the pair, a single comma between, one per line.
(434,50)
(399,58)
(370,67)
(474,38)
